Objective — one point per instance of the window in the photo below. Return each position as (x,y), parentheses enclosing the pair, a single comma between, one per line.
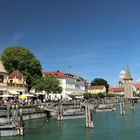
(1,92)
(1,78)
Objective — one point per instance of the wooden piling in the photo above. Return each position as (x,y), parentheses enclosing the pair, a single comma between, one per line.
(89,116)
(8,113)
(122,108)
(132,104)
(60,112)
(21,122)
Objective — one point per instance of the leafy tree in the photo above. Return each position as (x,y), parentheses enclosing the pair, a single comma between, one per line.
(120,83)
(110,95)
(87,95)
(72,96)
(95,96)
(101,95)
(22,59)
(100,81)
(47,83)
(134,93)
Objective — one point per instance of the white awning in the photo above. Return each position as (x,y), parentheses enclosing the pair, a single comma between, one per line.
(40,93)
(6,95)
(28,95)
(13,92)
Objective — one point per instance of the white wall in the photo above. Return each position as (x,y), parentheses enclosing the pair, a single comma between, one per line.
(71,86)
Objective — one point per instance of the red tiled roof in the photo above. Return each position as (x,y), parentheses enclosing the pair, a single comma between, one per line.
(110,86)
(137,86)
(16,74)
(118,89)
(96,87)
(57,74)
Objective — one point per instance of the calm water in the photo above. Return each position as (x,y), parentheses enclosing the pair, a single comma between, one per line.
(108,126)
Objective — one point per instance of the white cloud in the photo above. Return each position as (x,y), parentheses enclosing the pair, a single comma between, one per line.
(122,72)
(121,76)
(138,80)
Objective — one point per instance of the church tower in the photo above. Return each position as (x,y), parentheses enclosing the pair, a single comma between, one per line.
(127,82)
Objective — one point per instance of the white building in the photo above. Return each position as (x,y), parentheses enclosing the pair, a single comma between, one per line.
(13,84)
(3,79)
(71,84)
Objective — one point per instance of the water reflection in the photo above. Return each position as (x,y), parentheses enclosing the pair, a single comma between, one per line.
(89,133)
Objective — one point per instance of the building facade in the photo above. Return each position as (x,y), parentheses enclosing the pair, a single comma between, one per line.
(70,83)
(16,82)
(127,84)
(126,88)
(116,91)
(13,84)
(3,79)
(96,89)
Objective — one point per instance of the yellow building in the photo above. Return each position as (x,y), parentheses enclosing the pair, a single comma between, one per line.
(96,89)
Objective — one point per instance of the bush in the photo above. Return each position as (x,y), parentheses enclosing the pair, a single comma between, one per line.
(87,95)
(72,96)
(95,96)
(110,95)
(101,95)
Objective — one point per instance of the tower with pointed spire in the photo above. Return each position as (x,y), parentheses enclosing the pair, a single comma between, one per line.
(127,82)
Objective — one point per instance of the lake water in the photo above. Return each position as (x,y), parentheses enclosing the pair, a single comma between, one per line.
(107,126)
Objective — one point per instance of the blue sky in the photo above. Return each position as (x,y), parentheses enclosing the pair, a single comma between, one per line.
(90,38)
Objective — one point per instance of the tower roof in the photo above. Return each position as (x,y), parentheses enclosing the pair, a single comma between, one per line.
(16,74)
(127,75)
(2,68)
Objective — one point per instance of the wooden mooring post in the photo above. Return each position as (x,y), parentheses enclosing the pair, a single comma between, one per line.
(122,108)
(21,123)
(60,112)
(8,113)
(89,116)
(132,104)
(17,119)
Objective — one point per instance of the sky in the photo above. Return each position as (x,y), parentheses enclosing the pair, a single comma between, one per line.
(89,38)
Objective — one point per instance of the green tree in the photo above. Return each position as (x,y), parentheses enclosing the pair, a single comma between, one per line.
(20,58)
(47,83)
(72,96)
(95,96)
(87,95)
(134,93)
(100,81)
(110,95)
(101,95)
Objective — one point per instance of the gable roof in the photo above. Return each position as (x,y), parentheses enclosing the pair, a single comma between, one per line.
(57,74)
(96,87)
(16,74)
(117,89)
(137,86)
